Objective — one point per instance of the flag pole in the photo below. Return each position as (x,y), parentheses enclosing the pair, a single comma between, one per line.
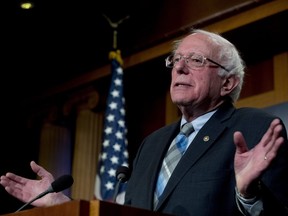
(114,26)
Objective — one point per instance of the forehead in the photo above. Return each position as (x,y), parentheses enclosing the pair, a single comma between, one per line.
(198,43)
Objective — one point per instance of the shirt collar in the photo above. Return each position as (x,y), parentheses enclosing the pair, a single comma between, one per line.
(199,122)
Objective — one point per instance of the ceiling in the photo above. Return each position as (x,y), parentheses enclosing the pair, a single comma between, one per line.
(58,40)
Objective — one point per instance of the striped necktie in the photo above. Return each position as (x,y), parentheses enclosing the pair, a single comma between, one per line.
(173,156)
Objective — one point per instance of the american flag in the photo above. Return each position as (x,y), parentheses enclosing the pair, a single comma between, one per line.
(114,145)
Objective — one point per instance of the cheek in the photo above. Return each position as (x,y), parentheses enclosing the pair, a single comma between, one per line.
(215,87)
(203,83)
(208,85)
(173,74)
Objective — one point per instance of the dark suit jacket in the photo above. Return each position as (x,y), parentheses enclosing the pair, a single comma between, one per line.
(203,183)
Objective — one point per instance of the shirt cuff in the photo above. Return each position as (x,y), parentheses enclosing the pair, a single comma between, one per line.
(252,206)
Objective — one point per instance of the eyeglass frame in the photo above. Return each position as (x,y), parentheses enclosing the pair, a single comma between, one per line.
(189,56)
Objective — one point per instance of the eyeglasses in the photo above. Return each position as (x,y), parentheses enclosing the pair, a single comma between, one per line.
(193,61)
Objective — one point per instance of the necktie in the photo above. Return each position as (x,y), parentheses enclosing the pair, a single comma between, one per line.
(173,155)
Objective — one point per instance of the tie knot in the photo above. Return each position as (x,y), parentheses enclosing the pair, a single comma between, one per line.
(187,129)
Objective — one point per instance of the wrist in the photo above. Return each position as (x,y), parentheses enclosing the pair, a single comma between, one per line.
(249,192)
(247,199)
(60,198)
(245,195)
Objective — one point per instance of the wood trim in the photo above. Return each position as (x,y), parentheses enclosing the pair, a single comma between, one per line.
(236,21)
(280,92)
(281,77)
(94,208)
(249,16)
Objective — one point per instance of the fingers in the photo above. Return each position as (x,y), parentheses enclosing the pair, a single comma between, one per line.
(13,179)
(4,181)
(267,148)
(272,151)
(13,184)
(272,140)
(272,132)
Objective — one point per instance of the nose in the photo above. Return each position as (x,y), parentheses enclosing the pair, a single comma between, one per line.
(181,66)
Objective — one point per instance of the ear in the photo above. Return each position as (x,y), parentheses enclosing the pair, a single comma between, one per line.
(229,83)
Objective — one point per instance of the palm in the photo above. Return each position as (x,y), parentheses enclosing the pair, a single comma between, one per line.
(250,164)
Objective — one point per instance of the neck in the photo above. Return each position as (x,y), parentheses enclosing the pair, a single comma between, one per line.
(191,113)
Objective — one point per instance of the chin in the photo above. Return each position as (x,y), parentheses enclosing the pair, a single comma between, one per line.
(181,101)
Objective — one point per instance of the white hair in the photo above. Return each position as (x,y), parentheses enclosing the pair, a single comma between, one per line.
(228,56)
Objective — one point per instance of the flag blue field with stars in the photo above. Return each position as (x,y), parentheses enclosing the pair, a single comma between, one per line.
(114,145)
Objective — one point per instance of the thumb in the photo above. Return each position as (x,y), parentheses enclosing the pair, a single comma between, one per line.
(39,170)
(240,143)
(35,167)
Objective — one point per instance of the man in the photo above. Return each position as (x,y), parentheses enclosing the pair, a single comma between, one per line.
(236,161)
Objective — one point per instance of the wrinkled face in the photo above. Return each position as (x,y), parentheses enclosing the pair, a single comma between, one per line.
(199,86)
